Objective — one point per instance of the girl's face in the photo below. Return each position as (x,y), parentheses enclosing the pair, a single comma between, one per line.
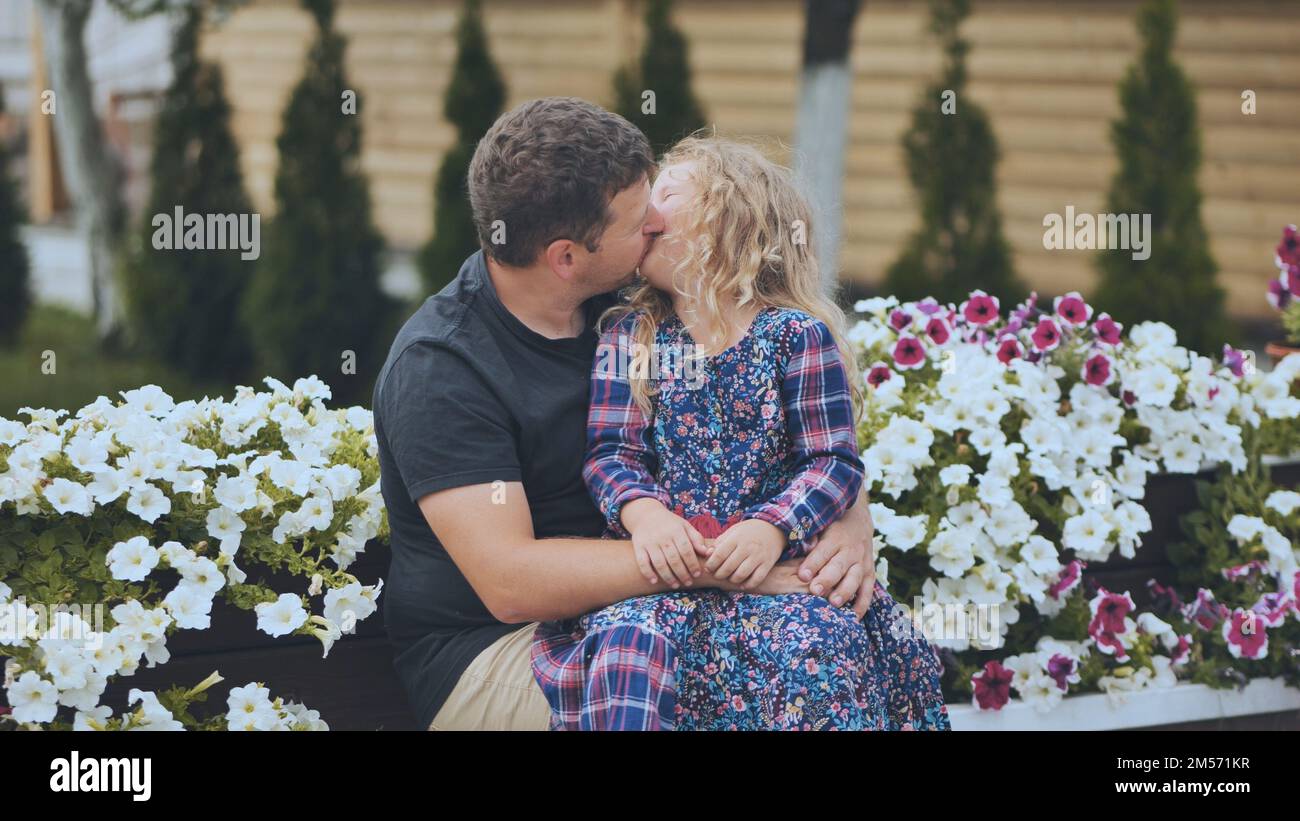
(673,190)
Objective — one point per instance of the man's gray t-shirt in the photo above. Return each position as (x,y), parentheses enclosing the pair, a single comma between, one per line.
(469,395)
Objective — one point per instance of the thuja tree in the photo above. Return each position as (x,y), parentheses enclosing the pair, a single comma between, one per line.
(1159,148)
(315,305)
(474,99)
(183,303)
(15,293)
(655,93)
(951,156)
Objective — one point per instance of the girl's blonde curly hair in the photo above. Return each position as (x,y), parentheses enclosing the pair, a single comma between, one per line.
(748,237)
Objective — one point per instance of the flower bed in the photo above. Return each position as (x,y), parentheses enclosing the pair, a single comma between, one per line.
(125,522)
(1007,454)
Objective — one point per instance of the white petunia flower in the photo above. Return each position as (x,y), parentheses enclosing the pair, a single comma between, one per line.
(133,559)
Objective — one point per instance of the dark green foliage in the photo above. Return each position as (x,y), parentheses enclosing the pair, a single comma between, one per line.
(664,68)
(1159,147)
(475,97)
(183,305)
(316,295)
(950,160)
(15,290)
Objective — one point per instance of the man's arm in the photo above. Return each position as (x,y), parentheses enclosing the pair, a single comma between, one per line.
(521,578)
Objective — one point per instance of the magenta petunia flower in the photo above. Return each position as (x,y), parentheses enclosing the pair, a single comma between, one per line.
(1008,350)
(992,686)
(1163,597)
(1290,277)
(1129,398)
(1288,250)
(1182,651)
(1107,329)
(1072,309)
(980,309)
(1109,621)
(1242,571)
(1109,610)
(909,353)
(1278,295)
(1068,580)
(1096,371)
(878,373)
(1063,670)
(1235,360)
(1272,608)
(1047,335)
(937,330)
(929,306)
(1205,612)
(1246,635)
(899,319)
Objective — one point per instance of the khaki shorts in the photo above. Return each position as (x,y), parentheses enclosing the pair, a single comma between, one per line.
(497,691)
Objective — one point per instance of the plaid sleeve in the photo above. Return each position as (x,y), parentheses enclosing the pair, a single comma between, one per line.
(819,419)
(621,462)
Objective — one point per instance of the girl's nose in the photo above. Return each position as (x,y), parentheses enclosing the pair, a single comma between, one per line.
(654,222)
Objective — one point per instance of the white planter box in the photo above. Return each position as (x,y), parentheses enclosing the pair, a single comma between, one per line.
(1096,711)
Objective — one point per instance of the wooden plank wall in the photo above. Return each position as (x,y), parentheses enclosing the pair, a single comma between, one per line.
(1046,73)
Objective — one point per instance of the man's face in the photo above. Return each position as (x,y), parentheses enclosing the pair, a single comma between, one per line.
(625,241)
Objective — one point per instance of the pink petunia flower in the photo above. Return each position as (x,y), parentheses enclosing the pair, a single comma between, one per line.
(1072,309)
(1047,335)
(1110,621)
(1272,608)
(899,319)
(1109,611)
(937,330)
(1246,635)
(1205,612)
(1241,571)
(992,686)
(980,309)
(1063,670)
(1291,278)
(929,306)
(1278,295)
(1130,398)
(1068,580)
(1107,330)
(1288,250)
(1008,350)
(1182,651)
(879,373)
(909,353)
(1096,371)
(1235,360)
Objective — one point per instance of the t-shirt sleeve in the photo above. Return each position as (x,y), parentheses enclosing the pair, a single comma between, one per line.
(445,427)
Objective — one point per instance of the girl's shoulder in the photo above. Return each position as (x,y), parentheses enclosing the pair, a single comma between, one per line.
(785,326)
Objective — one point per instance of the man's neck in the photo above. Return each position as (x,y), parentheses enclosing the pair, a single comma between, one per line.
(539,299)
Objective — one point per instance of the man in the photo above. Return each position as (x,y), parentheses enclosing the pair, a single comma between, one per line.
(480,415)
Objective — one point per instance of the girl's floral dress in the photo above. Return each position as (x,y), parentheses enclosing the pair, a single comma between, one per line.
(763,430)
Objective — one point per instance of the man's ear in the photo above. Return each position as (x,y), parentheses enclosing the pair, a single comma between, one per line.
(562,257)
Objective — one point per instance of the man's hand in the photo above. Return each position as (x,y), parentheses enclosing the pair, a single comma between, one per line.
(842,560)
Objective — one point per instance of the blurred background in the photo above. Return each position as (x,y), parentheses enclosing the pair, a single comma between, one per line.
(116,111)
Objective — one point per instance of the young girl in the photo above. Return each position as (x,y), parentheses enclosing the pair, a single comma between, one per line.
(737,450)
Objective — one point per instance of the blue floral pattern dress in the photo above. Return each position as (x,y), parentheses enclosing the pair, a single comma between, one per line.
(763,430)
